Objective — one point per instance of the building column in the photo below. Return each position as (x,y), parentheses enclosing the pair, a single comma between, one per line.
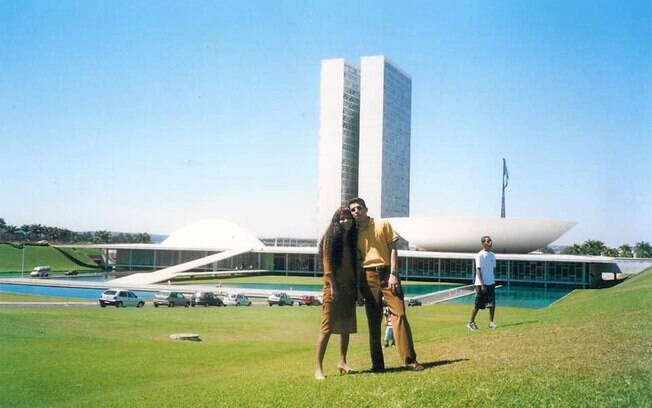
(509,272)
(130,258)
(545,274)
(405,268)
(439,270)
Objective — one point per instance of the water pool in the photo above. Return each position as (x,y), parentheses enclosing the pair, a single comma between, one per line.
(521,296)
(515,296)
(57,291)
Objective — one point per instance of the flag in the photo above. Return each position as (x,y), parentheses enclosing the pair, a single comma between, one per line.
(505,174)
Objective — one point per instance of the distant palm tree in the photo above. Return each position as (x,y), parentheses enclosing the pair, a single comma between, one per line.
(610,252)
(625,251)
(643,249)
(593,247)
(573,250)
(102,237)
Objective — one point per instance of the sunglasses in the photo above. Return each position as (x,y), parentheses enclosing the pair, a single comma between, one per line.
(356,208)
(487,240)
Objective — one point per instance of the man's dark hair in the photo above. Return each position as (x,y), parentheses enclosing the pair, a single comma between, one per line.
(485,237)
(357,200)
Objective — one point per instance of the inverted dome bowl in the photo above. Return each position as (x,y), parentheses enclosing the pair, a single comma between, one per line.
(462,234)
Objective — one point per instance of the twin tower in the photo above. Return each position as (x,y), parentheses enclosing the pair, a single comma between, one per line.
(364,137)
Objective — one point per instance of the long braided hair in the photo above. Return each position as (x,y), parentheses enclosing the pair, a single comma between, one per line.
(331,245)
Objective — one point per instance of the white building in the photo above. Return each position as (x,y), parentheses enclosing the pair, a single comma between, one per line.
(385,120)
(338,136)
(364,137)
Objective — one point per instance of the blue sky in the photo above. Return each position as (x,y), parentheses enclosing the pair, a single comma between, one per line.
(144,116)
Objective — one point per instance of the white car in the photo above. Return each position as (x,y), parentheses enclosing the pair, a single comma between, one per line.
(236,299)
(120,298)
(40,272)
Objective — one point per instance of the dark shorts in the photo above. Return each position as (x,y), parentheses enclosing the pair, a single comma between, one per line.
(485,298)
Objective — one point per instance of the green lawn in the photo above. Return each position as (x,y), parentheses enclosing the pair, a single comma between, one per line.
(594,348)
(11,259)
(82,254)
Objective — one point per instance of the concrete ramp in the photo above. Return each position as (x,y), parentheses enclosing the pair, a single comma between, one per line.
(163,275)
(448,294)
(444,295)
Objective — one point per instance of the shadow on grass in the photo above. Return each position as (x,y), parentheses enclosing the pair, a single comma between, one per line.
(426,366)
(519,323)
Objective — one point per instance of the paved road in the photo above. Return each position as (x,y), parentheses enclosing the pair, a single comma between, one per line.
(95,304)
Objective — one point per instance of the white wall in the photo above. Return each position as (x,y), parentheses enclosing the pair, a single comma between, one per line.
(331,105)
(371,132)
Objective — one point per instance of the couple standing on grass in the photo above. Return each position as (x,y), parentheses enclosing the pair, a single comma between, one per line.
(359,254)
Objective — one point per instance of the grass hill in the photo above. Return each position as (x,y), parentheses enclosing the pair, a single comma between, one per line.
(35,255)
(593,348)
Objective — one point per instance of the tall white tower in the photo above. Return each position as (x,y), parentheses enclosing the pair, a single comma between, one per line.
(385,122)
(338,136)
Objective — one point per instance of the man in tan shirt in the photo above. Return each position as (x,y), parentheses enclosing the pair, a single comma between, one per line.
(380,279)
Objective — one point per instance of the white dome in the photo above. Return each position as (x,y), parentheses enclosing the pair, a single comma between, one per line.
(213,234)
(462,234)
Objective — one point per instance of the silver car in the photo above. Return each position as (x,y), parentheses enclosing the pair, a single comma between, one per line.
(279,298)
(236,299)
(170,299)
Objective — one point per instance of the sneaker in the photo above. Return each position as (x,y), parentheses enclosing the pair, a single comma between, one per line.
(492,325)
(472,326)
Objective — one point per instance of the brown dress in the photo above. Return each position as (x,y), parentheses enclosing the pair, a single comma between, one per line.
(338,316)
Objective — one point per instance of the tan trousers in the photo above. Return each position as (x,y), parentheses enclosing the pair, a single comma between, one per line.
(374,288)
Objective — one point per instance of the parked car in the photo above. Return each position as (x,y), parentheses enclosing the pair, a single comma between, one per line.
(414,302)
(40,272)
(205,299)
(120,298)
(280,298)
(308,301)
(236,299)
(71,273)
(170,299)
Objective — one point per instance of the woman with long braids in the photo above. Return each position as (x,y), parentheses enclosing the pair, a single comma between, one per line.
(337,250)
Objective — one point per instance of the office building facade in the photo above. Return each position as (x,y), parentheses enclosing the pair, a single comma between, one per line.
(364,137)
(385,124)
(338,136)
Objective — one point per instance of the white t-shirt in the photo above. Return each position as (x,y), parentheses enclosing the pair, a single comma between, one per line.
(486,261)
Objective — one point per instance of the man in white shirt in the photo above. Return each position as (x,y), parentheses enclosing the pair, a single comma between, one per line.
(485,283)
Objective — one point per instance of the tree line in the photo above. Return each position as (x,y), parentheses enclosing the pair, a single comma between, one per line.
(641,249)
(56,235)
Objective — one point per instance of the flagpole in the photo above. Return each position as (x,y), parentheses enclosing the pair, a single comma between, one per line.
(505,182)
